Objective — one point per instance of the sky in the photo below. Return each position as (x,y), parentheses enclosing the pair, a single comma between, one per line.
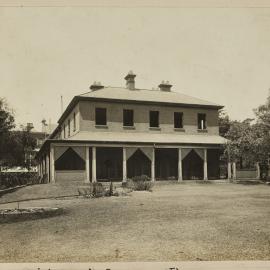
(217,54)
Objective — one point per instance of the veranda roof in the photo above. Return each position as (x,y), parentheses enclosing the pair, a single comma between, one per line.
(137,137)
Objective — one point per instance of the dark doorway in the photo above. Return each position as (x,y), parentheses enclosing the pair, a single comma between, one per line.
(192,166)
(69,160)
(138,164)
(166,163)
(109,162)
(213,163)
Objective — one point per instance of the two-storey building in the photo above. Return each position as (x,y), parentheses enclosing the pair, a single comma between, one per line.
(115,133)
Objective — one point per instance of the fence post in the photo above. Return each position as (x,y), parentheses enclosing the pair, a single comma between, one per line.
(234,170)
(258,171)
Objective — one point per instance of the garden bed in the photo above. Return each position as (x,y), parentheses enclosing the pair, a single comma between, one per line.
(14,215)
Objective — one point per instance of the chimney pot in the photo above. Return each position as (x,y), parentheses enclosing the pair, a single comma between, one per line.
(130,80)
(165,86)
(96,86)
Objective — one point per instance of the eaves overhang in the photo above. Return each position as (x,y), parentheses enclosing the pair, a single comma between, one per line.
(46,145)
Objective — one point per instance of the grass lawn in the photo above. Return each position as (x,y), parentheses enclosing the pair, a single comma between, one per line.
(175,222)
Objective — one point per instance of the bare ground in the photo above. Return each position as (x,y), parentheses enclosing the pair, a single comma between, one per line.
(175,222)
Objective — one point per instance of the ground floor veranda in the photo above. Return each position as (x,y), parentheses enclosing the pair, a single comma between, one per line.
(66,162)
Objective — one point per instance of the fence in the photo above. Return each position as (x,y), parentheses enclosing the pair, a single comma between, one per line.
(246,174)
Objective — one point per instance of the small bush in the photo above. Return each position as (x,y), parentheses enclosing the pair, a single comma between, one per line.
(111,189)
(141,178)
(139,183)
(98,190)
(92,190)
(128,184)
(85,191)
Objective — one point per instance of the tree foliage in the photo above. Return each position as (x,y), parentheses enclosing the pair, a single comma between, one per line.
(224,123)
(6,118)
(248,140)
(6,124)
(263,113)
(14,145)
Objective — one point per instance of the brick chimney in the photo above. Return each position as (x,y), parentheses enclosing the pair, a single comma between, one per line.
(165,86)
(130,82)
(96,86)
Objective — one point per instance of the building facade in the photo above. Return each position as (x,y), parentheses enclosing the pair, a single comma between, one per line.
(115,133)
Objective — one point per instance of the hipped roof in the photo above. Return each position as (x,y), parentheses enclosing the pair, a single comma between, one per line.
(140,96)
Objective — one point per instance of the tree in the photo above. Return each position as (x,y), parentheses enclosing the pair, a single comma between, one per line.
(248,140)
(6,118)
(263,113)
(263,123)
(15,146)
(6,125)
(224,123)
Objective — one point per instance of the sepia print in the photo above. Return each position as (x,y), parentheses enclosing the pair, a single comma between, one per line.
(134,132)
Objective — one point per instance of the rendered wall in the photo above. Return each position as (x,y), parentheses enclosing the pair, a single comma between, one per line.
(141,118)
(69,176)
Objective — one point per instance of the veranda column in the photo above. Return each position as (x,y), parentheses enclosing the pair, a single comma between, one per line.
(52,171)
(48,167)
(180,173)
(43,165)
(229,170)
(94,166)
(258,171)
(38,167)
(87,179)
(124,164)
(153,165)
(234,170)
(205,175)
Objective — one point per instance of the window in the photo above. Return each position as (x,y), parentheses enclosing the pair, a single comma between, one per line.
(64,131)
(201,121)
(74,121)
(101,116)
(178,120)
(128,118)
(68,127)
(154,118)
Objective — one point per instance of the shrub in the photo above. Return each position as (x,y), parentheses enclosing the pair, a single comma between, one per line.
(44,179)
(98,190)
(139,183)
(140,178)
(128,184)
(13,179)
(85,191)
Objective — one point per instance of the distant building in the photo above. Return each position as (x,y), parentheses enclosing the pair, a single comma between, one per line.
(48,128)
(39,136)
(115,133)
